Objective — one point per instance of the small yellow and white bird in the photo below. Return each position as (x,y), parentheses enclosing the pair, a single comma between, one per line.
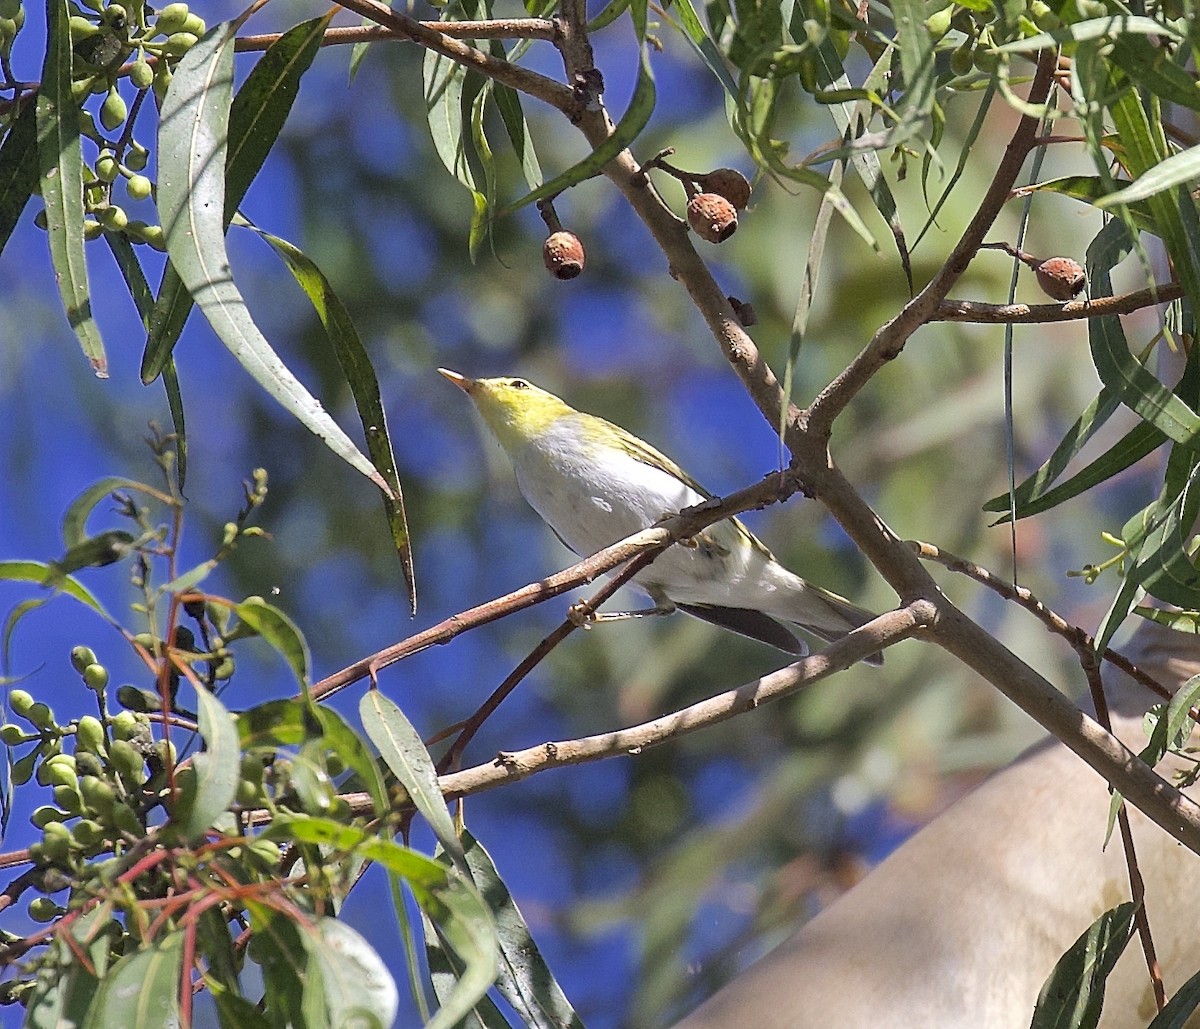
(594,483)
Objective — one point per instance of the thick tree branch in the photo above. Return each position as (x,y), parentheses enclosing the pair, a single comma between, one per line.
(1031,314)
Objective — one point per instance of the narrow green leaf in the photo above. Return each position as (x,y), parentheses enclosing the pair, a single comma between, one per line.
(526,981)
(403,751)
(1177,169)
(62,1000)
(1092,28)
(142,989)
(1090,189)
(280,632)
(1073,995)
(1116,366)
(1180,1007)
(1180,621)
(61,167)
(74,523)
(97,551)
(1033,499)
(360,375)
(700,38)
(256,118)
(47,575)
(235,1012)
(359,989)
(508,103)
(193,138)
(18,170)
(1152,68)
(635,118)
(293,722)
(445,974)
(218,767)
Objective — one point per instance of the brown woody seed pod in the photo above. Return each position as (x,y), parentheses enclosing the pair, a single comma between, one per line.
(712,217)
(1060,278)
(728,183)
(563,254)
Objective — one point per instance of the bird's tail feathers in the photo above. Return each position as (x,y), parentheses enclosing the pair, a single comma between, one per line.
(826,615)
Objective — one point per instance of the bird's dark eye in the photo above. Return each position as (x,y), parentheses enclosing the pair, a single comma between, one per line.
(518,384)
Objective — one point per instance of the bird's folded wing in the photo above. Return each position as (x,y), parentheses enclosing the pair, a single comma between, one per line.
(745,622)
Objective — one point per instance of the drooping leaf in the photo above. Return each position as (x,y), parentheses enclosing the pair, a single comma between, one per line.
(403,751)
(18,170)
(280,632)
(526,981)
(1074,993)
(256,117)
(61,166)
(359,989)
(193,140)
(360,375)
(141,989)
(218,767)
(1180,1007)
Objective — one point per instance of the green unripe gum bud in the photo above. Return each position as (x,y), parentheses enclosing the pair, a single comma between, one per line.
(81,28)
(96,675)
(962,60)
(41,716)
(47,813)
(141,74)
(43,909)
(128,762)
(938,23)
(106,171)
(126,819)
(113,111)
(11,734)
(155,236)
(87,763)
(162,79)
(179,43)
(81,657)
(98,795)
(136,158)
(224,670)
(58,771)
(266,851)
(114,219)
(125,725)
(89,735)
(194,24)
(87,832)
(171,19)
(20,702)
(92,229)
(69,798)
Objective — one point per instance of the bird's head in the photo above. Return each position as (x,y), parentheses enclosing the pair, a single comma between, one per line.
(515,409)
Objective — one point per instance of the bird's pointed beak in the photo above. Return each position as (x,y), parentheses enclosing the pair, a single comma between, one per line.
(461,381)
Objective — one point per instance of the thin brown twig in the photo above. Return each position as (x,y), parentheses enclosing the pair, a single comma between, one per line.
(532,83)
(475,722)
(491,28)
(1029,314)
(770,490)
(1137,886)
(1079,640)
(507,767)
(891,338)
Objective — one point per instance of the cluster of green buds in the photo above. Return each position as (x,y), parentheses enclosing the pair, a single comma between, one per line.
(110,41)
(98,789)
(12,20)
(972,33)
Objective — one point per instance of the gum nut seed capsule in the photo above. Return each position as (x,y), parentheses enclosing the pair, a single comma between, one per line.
(728,183)
(563,254)
(1061,278)
(712,217)
(114,219)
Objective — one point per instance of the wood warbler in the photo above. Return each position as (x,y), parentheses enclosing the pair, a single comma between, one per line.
(594,483)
